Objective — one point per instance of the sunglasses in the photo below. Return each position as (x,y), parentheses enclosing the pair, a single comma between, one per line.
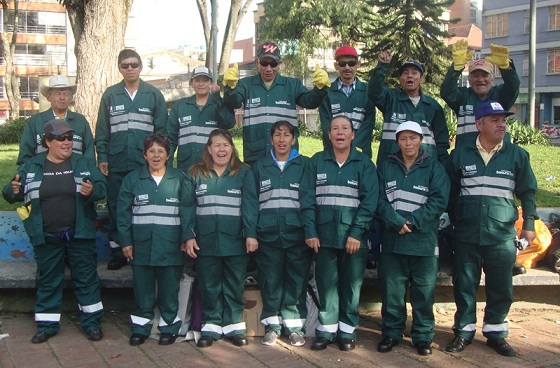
(127,65)
(264,63)
(351,63)
(62,138)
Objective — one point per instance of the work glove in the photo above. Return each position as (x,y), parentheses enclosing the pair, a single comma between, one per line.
(231,76)
(320,78)
(461,54)
(499,56)
(24,211)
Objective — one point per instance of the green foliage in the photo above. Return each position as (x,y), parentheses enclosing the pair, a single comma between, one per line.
(524,134)
(11,131)
(412,29)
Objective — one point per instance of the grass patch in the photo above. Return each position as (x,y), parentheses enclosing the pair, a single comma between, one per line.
(544,160)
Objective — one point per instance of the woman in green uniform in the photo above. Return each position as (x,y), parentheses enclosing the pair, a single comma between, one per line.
(152,224)
(414,189)
(223,218)
(283,259)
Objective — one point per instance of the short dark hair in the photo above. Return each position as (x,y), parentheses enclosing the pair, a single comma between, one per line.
(282,123)
(128,53)
(343,117)
(156,138)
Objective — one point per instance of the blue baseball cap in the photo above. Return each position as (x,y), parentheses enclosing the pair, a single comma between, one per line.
(490,108)
(57,127)
(414,63)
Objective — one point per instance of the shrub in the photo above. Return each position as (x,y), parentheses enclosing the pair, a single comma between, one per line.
(12,130)
(524,134)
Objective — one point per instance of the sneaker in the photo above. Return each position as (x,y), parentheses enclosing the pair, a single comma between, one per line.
(296,339)
(269,338)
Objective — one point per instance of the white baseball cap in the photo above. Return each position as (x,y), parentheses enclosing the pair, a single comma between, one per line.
(409,125)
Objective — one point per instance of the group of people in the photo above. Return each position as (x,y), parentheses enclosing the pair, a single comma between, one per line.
(285,208)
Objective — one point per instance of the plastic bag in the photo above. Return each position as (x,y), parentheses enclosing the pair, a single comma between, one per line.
(536,251)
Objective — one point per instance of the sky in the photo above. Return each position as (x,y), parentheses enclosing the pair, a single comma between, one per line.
(165,24)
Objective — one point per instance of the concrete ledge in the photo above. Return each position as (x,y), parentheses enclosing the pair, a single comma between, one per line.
(21,274)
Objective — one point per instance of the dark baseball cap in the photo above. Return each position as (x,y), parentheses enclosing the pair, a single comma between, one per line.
(57,127)
(201,70)
(414,63)
(270,50)
(490,108)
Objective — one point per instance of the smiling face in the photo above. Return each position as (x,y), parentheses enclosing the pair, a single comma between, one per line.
(347,73)
(409,144)
(341,134)
(481,82)
(411,78)
(201,85)
(282,140)
(492,128)
(156,157)
(220,150)
(60,147)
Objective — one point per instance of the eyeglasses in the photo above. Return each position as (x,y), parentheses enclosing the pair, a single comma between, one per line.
(264,63)
(62,138)
(351,63)
(127,65)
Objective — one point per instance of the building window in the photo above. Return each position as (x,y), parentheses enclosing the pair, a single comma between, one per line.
(554,18)
(525,64)
(497,25)
(37,22)
(2,90)
(29,87)
(526,22)
(553,61)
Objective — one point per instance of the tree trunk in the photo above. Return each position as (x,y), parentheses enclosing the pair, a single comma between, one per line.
(237,10)
(99,27)
(8,50)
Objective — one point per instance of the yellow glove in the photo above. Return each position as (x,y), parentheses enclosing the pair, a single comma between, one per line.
(231,76)
(499,56)
(320,78)
(461,54)
(24,211)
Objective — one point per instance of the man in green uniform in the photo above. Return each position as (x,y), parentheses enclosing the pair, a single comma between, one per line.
(464,101)
(129,111)
(59,92)
(486,174)
(349,96)
(268,97)
(338,201)
(407,104)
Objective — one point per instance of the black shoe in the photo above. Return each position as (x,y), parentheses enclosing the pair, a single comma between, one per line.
(240,340)
(457,345)
(205,342)
(501,346)
(94,334)
(518,269)
(347,344)
(371,264)
(167,338)
(424,347)
(137,339)
(320,343)
(41,336)
(386,345)
(116,263)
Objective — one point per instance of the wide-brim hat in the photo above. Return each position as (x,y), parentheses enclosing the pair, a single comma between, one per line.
(58,81)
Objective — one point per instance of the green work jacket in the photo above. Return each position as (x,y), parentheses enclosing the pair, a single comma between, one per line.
(464,102)
(153,218)
(30,143)
(358,107)
(338,202)
(481,203)
(397,108)
(263,107)
(418,195)
(189,126)
(279,195)
(223,212)
(31,174)
(122,125)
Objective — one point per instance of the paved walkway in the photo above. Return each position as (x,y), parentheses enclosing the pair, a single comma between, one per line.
(534,333)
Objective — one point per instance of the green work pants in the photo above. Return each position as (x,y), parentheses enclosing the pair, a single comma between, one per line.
(114,181)
(497,262)
(396,272)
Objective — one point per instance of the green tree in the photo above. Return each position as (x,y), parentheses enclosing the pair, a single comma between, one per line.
(99,27)
(308,28)
(412,29)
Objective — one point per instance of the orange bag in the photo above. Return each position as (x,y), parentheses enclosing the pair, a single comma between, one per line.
(536,251)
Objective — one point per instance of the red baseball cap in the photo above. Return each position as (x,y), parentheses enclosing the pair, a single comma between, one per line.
(345,51)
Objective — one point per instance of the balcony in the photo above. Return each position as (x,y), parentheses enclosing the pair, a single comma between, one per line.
(53,58)
(38,29)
